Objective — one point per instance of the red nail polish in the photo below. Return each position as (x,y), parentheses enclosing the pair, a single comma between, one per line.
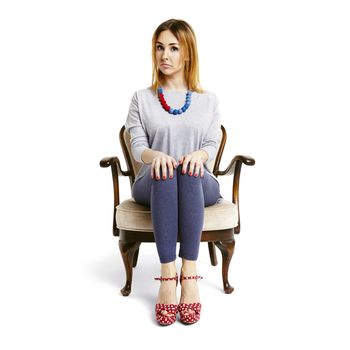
(195,174)
(190,173)
(164,177)
(158,177)
(170,177)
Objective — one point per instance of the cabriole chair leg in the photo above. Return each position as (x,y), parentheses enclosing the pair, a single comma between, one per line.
(227,248)
(128,250)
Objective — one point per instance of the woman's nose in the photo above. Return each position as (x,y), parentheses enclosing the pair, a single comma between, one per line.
(164,53)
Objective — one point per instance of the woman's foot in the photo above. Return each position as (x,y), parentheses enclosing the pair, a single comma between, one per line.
(167,289)
(189,287)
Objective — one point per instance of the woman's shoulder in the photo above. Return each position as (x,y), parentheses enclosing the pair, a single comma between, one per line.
(210,96)
(210,93)
(207,93)
(144,92)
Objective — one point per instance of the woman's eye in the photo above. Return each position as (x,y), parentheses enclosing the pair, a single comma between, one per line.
(162,47)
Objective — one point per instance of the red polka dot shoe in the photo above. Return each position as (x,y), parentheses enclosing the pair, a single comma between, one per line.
(166,313)
(183,308)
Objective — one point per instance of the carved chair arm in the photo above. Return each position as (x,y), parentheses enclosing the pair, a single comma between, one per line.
(234,168)
(106,162)
(114,163)
(236,160)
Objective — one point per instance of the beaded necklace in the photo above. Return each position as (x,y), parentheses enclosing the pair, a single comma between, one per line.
(172,110)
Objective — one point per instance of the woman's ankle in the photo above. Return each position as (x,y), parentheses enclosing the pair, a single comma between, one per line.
(189,267)
(168,269)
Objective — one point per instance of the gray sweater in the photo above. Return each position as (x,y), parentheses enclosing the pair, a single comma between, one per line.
(150,126)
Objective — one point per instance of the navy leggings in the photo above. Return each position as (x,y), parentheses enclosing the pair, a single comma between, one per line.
(177,207)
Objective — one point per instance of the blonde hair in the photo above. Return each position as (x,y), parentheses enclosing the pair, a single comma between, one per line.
(188,44)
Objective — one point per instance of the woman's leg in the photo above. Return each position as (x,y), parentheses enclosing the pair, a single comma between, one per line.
(161,196)
(194,193)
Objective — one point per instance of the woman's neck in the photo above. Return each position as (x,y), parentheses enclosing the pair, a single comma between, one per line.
(174,87)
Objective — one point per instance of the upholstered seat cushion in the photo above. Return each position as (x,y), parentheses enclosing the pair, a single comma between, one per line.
(133,216)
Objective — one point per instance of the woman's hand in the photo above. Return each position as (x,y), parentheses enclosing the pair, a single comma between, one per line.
(196,160)
(163,160)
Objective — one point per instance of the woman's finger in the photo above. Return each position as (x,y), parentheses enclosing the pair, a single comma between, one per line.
(184,165)
(197,169)
(174,162)
(164,169)
(156,168)
(170,168)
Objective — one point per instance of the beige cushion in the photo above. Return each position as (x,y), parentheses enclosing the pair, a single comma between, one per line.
(133,216)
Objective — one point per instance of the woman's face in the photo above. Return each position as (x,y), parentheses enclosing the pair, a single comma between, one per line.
(168,51)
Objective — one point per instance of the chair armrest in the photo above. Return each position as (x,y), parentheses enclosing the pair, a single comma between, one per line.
(236,160)
(110,161)
(117,171)
(234,169)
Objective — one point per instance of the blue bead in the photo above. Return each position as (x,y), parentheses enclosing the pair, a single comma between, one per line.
(171,110)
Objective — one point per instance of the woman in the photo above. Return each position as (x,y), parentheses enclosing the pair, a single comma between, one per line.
(175,131)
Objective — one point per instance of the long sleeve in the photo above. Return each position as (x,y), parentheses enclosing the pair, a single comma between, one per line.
(212,138)
(138,137)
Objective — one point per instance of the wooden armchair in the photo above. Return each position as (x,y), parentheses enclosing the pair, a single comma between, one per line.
(133,224)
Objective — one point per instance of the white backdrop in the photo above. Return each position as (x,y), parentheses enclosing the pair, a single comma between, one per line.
(68,71)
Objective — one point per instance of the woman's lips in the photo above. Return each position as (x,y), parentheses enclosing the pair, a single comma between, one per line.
(166,66)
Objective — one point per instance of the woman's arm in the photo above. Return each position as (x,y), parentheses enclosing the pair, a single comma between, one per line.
(138,135)
(211,141)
